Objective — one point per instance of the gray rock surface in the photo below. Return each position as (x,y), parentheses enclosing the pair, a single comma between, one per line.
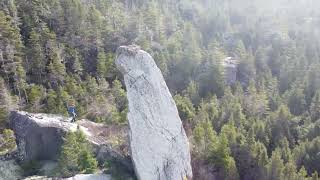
(230,65)
(90,177)
(158,142)
(77,177)
(40,136)
(9,170)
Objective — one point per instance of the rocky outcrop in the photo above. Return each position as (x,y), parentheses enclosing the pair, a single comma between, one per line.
(158,142)
(40,136)
(230,66)
(90,177)
(77,177)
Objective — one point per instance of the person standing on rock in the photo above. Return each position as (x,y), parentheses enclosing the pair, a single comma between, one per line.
(72,110)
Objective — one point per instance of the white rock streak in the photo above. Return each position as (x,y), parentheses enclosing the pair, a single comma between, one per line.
(159,145)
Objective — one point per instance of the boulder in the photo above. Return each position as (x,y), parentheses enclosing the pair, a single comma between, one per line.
(40,136)
(159,145)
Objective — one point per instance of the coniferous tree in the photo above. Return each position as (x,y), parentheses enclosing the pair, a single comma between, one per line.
(315,107)
(185,107)
(7,141)
(119,95)
(36,57)
(55,50)
(296,101)
(102,66)
(275,167)
(76,156)
(289,171)
(7,103)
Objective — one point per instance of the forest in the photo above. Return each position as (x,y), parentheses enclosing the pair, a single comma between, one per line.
(263,126)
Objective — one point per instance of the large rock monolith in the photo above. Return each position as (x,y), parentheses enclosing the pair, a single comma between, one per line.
(158,142)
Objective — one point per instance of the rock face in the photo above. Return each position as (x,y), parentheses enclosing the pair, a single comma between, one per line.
(9,170)
(40,136)
(158,142)
(77,177)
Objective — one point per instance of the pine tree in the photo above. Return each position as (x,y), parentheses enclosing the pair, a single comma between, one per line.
(240,50)
(281,126)
(68,161)
(120,95)
(211,76)
(275,167)
(7,103)
(102,64)
(185,107)
(285,150)
(35,95)
(296,101)
(51,102)
(94,22)
(289,171)
(36,57)
(315,176)
(302,173)
(255,103)
(229,132)
(7,141)
(73,60)
(259,151)
(20,81)
(205,138)
(246,70)
(192,93)
(151,18)
(220,156)
(76,155)
(315,107)
(86,162)
(11,46)
(56,68)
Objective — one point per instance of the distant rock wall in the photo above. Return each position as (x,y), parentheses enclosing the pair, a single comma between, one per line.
(158,142)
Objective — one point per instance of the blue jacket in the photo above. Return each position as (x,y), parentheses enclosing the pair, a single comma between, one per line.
(72,111)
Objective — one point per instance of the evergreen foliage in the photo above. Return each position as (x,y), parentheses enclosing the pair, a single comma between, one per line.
(264,126)
(76,156)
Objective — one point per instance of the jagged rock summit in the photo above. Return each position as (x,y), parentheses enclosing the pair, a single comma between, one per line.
(158,142)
